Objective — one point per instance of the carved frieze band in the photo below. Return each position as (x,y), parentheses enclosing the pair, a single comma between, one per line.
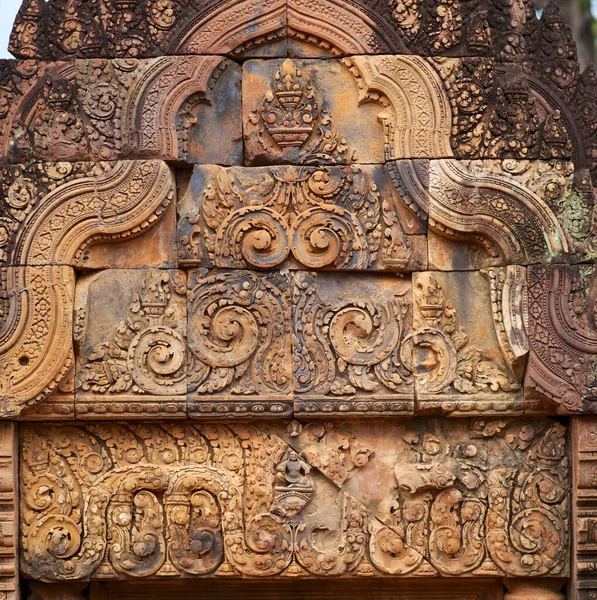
(160,108)
(485,498)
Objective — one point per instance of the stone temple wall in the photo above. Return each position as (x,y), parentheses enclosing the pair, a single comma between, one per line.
(299,292)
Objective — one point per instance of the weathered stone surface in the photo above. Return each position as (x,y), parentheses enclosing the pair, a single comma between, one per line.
(349,338)
(418,498)
(341,218)
(131,344)
(155,248)
(162,108)
(112,109)
(386,209)
(9,528)
(458,362)
(563,337)
(492,213)
(51,213)
(307,112)
(58,406)
(115,29)
(239,343)
(584,453)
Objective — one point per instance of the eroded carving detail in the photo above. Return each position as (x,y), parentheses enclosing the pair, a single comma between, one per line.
(332,217)
(239,340)
(291,117)
(563,336)
(148,351)
(179,499)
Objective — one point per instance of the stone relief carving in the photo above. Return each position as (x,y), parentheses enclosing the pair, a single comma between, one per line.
(290,125)
(584,434)
(394,216)
(232,497)
(327,217)
(562,333)
(146,356)
(523,212)
(239,342)
(9,528)
(47,233)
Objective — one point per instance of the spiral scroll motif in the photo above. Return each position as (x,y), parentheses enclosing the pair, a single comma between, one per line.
(364,335)
(156,358)
(255,235)
(329,235)
(230,338)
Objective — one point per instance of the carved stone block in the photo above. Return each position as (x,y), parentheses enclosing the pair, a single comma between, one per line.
(50,213)
(563,338)
(459,349)
(162,108)
(40,117)
(333,217)
(410,499)
(490,213)
(305,112)
(113,109)
(350,335)
(131,344)
(239,332)
(58,406)
(36,320)
(584,559)
(155,248)
(9,512)
(113,29)
(334,28)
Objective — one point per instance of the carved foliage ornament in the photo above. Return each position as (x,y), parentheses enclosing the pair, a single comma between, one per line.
(170,500)
(374,345)
(322,217)
(117,201)
(148,353)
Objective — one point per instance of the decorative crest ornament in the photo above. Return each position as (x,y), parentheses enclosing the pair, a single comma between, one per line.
(290,125)
(290,113)
(148,351)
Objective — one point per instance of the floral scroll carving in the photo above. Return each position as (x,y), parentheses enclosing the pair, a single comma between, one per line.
(232,500)
(331,217)
(239,341)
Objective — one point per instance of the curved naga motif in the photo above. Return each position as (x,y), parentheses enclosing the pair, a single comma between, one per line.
(36,334)
(563,336)
(97,509)
(178,499)
(416,109)
(526,527)
(312,554)
(455,541)
(520,212)
(399,549)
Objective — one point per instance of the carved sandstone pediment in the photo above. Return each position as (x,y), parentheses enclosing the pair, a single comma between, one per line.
(298,289)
